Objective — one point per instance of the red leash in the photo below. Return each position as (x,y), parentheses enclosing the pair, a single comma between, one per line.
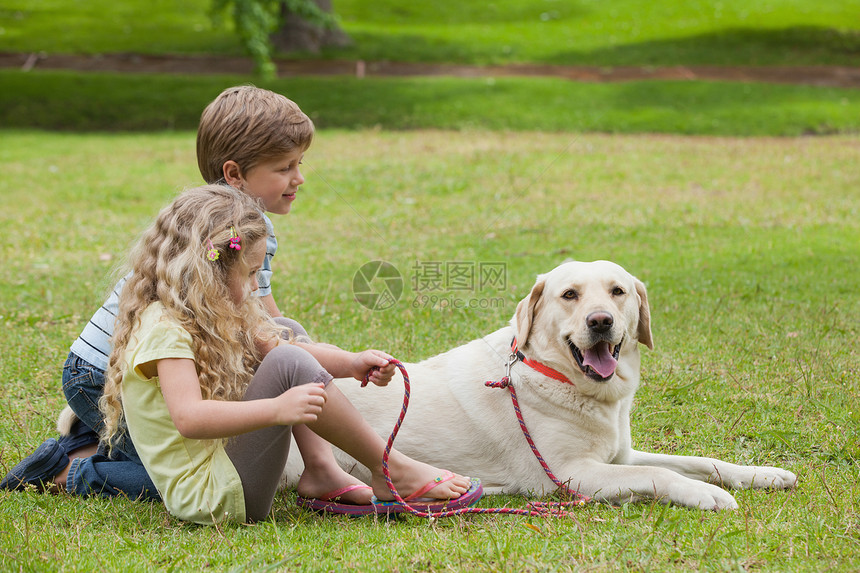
(506,383)
(540,509)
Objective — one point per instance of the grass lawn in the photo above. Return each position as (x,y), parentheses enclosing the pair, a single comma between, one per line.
(749,248)
(623,32)
(135,102)
(629,32)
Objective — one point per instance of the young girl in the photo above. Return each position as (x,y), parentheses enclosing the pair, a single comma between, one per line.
(210,389)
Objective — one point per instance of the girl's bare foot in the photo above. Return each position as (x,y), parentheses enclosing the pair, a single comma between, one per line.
(410,477)
(317,483)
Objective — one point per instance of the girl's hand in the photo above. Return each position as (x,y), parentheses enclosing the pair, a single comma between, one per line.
(300,404)
(375,363)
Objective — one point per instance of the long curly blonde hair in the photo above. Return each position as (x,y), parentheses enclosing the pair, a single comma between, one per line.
(169,264)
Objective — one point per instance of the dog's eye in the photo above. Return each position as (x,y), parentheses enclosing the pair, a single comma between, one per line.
(617,291)
(570,294)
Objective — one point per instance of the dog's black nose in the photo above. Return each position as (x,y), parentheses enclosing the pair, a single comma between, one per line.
(599,321)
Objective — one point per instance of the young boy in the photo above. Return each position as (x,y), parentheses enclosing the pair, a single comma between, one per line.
(251,139)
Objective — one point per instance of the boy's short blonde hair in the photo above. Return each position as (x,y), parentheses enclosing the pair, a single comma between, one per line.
(249,125)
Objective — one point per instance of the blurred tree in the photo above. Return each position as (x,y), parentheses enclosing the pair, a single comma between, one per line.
(305,31)
(289,25)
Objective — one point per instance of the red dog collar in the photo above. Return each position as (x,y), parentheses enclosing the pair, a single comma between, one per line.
(542,368)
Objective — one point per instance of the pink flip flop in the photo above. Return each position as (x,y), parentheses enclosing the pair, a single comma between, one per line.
(415,501)
(328,503)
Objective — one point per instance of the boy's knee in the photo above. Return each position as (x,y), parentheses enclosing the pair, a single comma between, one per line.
(294,366)
(296,329)
(288,354)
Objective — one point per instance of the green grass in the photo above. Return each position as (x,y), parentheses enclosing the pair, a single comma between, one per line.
(99,26)
(624,32)
(116,102)
(748,247)
(632,32)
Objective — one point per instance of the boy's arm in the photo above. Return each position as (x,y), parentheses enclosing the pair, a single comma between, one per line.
(343,364)
(270,305)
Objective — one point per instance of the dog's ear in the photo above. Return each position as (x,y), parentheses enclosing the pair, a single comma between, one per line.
(526,311)
(644,329)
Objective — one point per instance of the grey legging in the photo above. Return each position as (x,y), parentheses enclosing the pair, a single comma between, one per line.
(260,456)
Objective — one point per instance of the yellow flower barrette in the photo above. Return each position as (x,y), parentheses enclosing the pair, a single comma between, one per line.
(212,254)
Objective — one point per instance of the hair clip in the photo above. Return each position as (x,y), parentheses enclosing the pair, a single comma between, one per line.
(212,254)
(234,239)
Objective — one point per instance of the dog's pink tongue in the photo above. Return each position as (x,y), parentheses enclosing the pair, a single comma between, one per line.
(600,358)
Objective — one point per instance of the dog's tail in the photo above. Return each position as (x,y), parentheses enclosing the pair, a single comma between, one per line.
(66,420)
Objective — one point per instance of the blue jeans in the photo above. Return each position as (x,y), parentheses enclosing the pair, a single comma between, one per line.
(120,474)
(109,477)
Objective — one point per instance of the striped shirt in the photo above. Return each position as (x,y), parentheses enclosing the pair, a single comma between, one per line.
(93,345)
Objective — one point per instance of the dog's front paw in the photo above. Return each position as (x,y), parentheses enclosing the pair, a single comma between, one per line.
(761,477)
(701,495)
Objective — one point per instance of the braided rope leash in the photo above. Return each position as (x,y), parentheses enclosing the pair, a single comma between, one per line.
(506,383)
(538,509)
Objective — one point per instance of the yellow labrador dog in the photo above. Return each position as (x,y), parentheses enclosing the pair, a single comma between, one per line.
(578,334)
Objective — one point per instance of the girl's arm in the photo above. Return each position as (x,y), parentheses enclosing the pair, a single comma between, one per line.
(343,364)
(200,419)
